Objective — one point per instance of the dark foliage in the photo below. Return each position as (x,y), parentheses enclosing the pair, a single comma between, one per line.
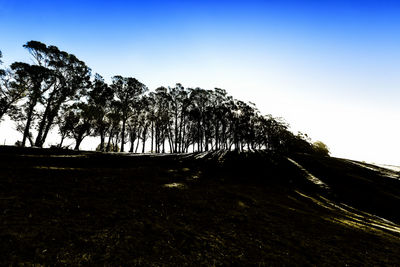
(59,90)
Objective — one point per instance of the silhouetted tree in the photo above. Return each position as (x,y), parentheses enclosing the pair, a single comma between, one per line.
(65,122)
(113,118)
(151,100)
(100,99)
(198,102)
(81,121)
(320,148)
(10,91)
(33,80)
(139,123)
(177,98)
(70,78)
(58,89)
(162,118)
(127,90)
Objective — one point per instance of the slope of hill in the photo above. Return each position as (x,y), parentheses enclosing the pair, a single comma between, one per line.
(65,207)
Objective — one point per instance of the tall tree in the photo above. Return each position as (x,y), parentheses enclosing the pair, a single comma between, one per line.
(31,78)
(127,91)
(114,119)
(100,99)
(162,118)
(70,79)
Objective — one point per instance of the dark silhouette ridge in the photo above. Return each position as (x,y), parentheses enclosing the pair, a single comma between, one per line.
(59,91)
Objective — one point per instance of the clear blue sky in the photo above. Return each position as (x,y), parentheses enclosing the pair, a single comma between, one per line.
(330,68)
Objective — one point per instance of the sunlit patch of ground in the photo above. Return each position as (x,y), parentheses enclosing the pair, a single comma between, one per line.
(309,176)
(386,170)
(175,185)
(390,167)
(55,156)
(353,217)
(58,168)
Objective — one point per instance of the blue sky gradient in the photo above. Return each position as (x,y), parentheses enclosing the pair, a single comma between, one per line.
(330,68)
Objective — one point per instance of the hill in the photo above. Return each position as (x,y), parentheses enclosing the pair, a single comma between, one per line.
(217,208)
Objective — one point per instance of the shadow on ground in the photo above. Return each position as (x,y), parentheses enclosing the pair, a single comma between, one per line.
(62,207)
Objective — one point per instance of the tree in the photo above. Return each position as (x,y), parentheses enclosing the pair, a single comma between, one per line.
(58,89)
(81,114)
(162,119)
(10,91)
(151,101)
(65,122)
(100,99)
(144,119)
(69,80)
(30,80)
(76,122)
(198,102)
(127,90)
(177,98)
(113,118)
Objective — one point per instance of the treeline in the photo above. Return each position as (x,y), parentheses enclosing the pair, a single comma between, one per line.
(59,91)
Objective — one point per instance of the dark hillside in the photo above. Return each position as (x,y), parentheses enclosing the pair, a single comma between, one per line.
(360,185)
(69,208)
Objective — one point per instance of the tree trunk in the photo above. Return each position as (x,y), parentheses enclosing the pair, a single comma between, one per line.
(116,142)
(61,141)
(176,131)
(102,138)
(42,124)
(123,134)
(137,144)
(109,140)
(143,145)
(30,139)
(216,135)
(28,123)
(78,142)
(132,145)
(171,141)
(144,137)
(48,126)
(163,141)
(41,127)
(180,133)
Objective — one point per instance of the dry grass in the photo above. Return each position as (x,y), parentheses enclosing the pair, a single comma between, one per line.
(257,209)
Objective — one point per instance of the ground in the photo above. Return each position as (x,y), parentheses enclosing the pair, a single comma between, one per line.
(83,208)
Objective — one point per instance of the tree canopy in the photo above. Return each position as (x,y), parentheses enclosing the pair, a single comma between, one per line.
(59,91)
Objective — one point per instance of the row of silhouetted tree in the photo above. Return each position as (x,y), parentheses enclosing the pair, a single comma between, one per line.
(58,91)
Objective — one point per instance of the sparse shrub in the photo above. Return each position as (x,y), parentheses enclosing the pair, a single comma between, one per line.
(18,143)
(320,148)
